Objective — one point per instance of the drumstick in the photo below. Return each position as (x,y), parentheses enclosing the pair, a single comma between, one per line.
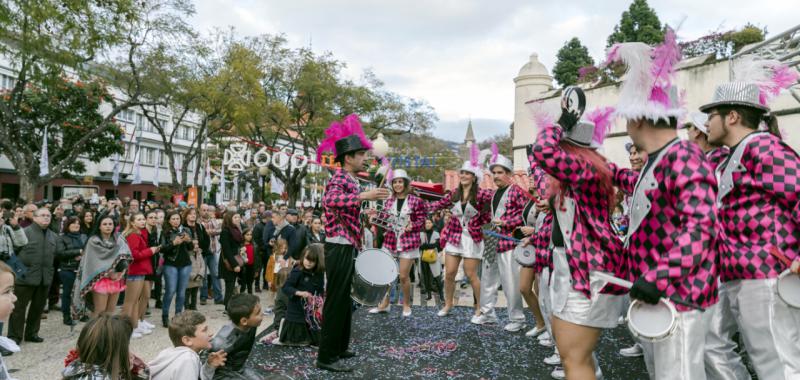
(773,250)
(501,236)
(627,284)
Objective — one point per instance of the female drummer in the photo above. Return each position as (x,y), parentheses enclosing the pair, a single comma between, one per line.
(403,242)
(527,273)
(462,235)
(582,195)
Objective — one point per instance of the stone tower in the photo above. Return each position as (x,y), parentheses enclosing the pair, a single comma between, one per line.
(469,139)
(533,80)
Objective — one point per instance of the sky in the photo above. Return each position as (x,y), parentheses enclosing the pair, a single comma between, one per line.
(461,55)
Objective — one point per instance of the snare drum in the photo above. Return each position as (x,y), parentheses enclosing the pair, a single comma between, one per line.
(525,256)
(652,323)
(789,288)
(375,271)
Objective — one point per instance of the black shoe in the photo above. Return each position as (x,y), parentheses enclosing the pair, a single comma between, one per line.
(34,339)
(70,322)
(219,302)
(85,318)
(165,321)
(347,355)
(203,302)
(428,297)
(158,304)
(333,367)
(5,353)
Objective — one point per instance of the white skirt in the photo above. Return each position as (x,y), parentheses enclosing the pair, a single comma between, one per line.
(412,254)
(467,249)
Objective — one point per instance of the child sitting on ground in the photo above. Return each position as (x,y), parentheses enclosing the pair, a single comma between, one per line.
(304,288)
(238,337)
(102,352)
(190,334)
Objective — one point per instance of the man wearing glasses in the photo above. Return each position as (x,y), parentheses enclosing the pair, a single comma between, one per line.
(31,288)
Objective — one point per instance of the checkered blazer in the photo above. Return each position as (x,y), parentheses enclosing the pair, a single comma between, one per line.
(451,233)
(417,210)
(717,156)
(593,243)
(512,217)
(672,245)
(342,208)
(760,211)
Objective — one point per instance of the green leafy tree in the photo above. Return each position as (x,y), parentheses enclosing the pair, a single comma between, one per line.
(639,23)
(505,144)
(438,156)
(48,41)
(569,59)
(749,34)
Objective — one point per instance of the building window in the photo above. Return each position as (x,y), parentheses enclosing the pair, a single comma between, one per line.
(126,115)
(149,155)
(164,159)
(7,82)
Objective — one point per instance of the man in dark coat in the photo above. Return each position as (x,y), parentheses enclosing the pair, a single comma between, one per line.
(31,288)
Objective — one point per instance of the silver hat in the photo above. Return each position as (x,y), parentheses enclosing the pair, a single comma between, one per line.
(400,173)
(582,134)
(474,169)
(736,94)
(502,161)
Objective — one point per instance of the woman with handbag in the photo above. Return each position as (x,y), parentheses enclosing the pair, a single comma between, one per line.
(230,262)
(430,267)
(408,212)
(177,245)
(201,243)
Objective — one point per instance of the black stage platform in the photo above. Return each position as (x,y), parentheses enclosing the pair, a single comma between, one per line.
(425,346)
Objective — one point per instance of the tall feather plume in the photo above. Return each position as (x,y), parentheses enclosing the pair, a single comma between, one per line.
(495,152)
(770,76)
(602,118)
(665,57)
(637,83)
(542,117)
(474,153)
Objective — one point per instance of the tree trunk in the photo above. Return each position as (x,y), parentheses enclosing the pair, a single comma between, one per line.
(293,191)
(27,186)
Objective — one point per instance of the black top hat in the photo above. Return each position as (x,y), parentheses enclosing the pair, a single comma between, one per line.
(349,144)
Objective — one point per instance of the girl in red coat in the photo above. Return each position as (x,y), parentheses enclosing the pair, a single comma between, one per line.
(136,235)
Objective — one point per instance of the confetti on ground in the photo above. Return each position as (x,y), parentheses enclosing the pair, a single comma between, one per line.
(425,346)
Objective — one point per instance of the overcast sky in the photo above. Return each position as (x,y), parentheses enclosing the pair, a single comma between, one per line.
(462,55)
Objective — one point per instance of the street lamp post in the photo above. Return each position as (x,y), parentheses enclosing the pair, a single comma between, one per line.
(263,172)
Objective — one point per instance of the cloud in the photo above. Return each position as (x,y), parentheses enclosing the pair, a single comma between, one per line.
(462,55)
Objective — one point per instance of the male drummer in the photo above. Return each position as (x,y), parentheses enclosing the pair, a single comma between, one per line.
(341,203)
(508,203)
(671,234)
(758,205)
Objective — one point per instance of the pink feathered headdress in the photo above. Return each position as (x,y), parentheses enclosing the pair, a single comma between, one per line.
(770,76)
(647,90)
(339,130)
(602,118)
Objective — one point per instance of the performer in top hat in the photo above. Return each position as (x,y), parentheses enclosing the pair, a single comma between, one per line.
(671,233)
(403,242)
(500,267)
(758,194)
(721,359)
(341,203)
(582,238)
(462,237)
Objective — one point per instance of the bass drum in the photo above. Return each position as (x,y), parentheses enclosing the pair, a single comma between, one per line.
(652,323)
(375,271)
(789,288)
(525,256)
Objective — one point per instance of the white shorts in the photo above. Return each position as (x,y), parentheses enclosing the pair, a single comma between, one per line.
(411,254)
(467,249)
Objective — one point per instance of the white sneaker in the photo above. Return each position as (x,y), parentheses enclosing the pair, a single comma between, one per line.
(476,319)
(535,331)
(514,326)
(632,351)
(554,359)
(484,319)
(546,343)
(136,335)
(443,313)
(146,324)
(143,330)
(558,373)
(377,310)
(407,313)
(544,335)
(277,342)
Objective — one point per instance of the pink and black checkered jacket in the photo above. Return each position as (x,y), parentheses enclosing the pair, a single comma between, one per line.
(671,235)
(758,196)
(451,233)
(342,208)
(417,210)
(717,156)
(593,243)
(512,217)
(541,238)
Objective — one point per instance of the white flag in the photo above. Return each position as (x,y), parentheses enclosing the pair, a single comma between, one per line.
(44,160)
(248,191)
(222,182)
(207,182)
(276,185)
(137,175)
(235,187)
(115,176)
(158,167)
